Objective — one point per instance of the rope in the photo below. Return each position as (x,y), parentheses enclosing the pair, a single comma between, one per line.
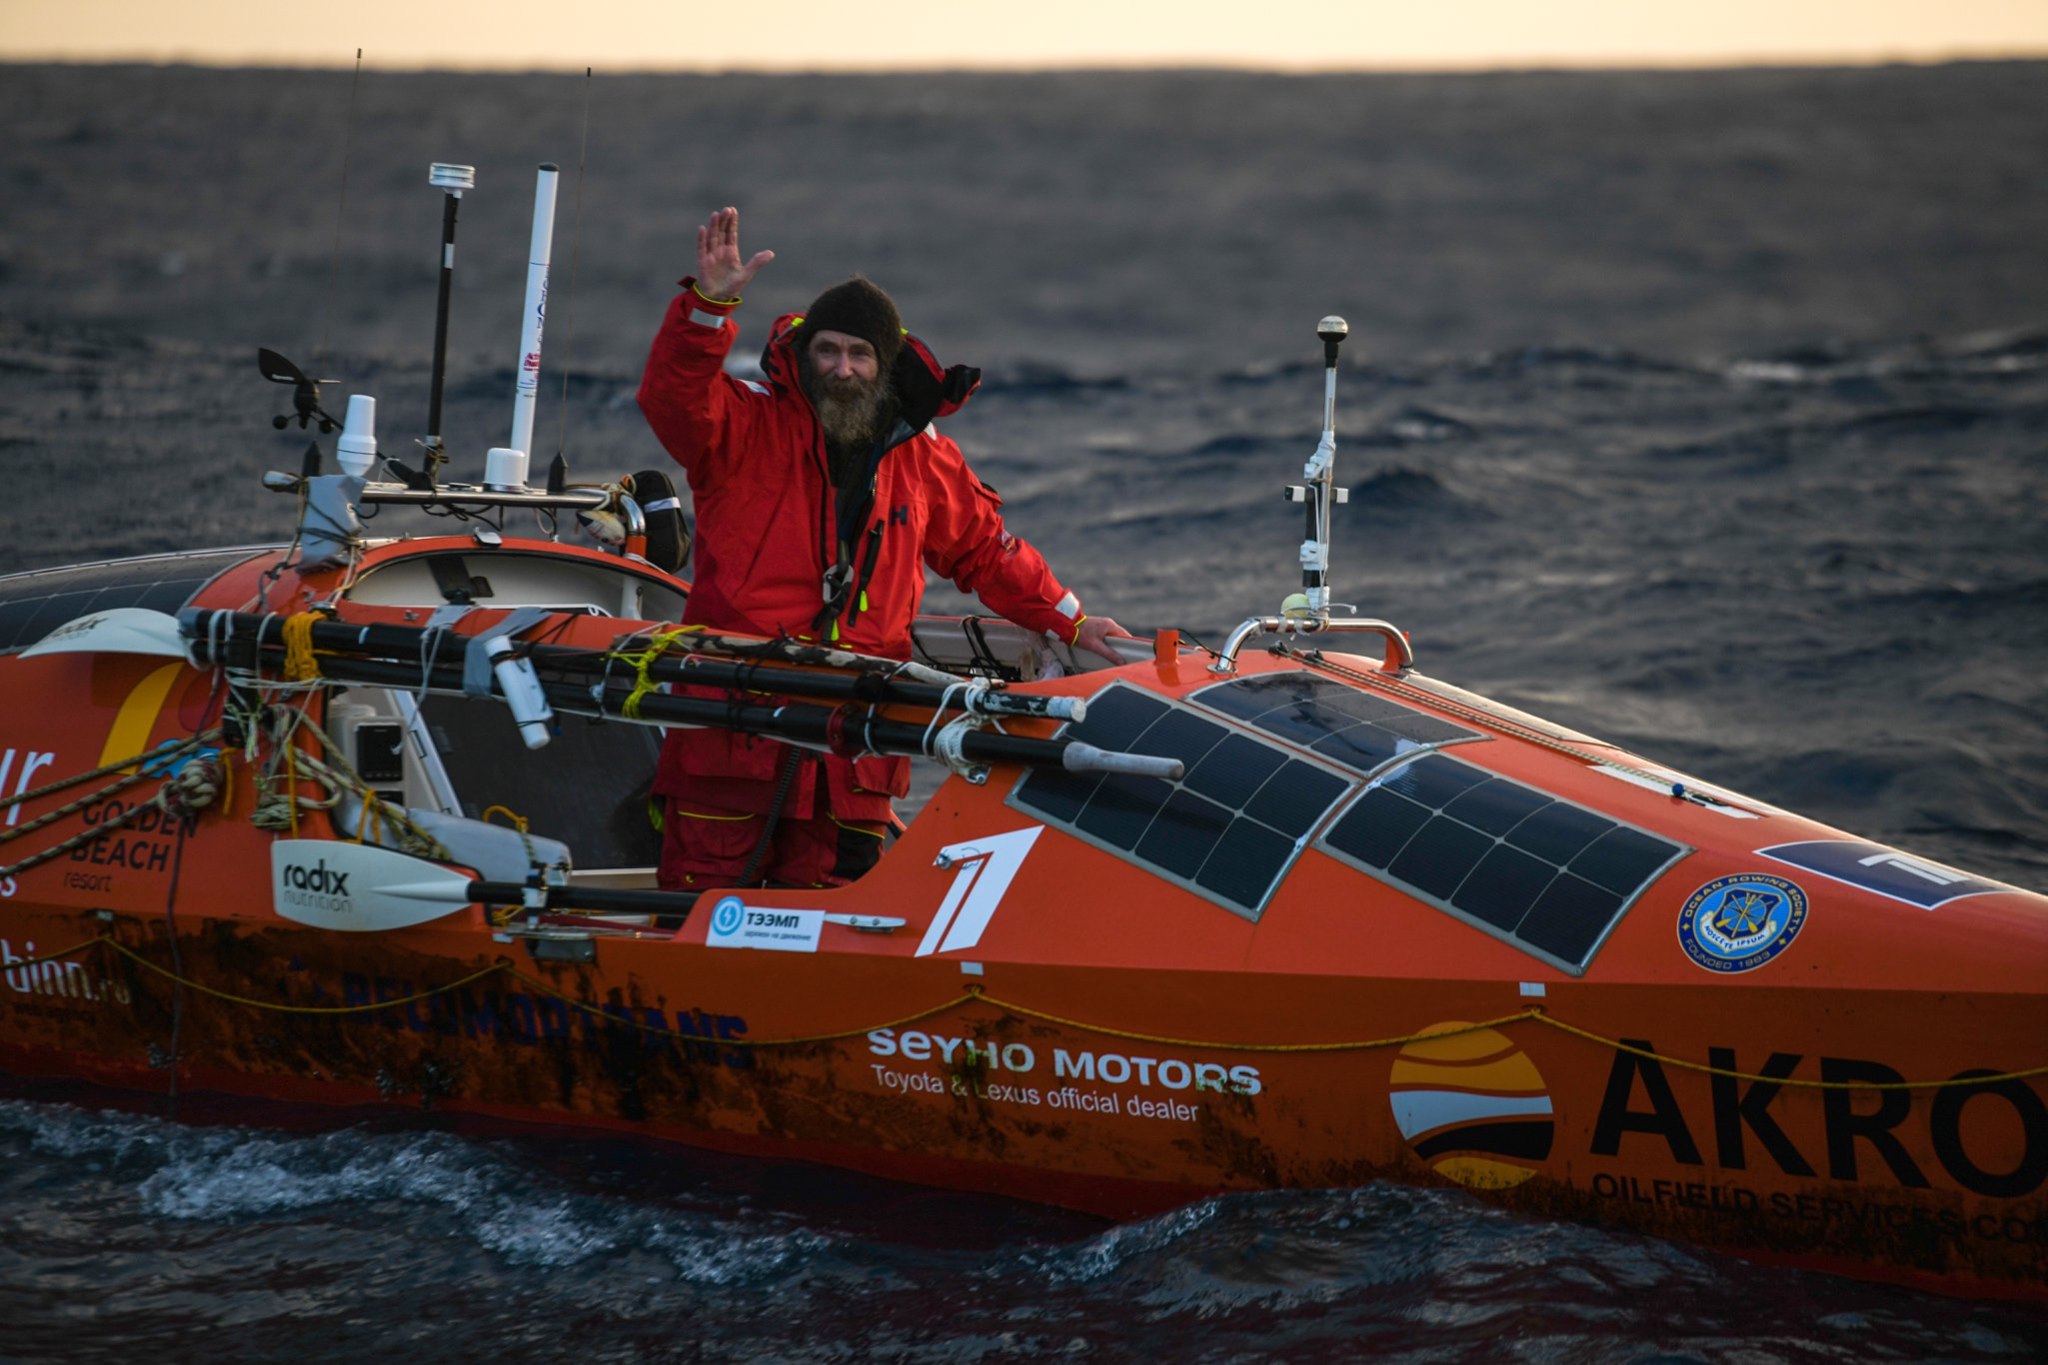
(184,793)
(299,663)
(975,994)
(657,645)
(155,757)
(518,823)
(277,1008)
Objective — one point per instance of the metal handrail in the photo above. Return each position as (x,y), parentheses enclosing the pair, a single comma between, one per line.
(1399,657)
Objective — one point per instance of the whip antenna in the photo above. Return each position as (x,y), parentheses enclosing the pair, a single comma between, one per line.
(451,180)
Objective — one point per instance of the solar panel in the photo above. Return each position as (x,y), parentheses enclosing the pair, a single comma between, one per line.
(1228,830)
(1549,877)
(35,603)
(1363,731)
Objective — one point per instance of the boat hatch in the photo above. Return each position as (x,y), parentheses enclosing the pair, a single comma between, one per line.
(588,788)
(507,578)
(35,603)
(1546,875)
(1228,830)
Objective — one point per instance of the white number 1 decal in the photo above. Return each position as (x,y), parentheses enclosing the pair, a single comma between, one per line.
(986,867)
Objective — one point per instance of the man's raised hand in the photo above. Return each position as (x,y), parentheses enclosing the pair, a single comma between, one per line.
(720,273)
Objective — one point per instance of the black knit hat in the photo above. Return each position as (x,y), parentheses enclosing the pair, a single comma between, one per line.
(858,308)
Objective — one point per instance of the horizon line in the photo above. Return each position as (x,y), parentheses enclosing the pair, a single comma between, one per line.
(1531,64)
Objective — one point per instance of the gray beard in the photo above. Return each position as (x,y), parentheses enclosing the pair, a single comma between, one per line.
(849,411)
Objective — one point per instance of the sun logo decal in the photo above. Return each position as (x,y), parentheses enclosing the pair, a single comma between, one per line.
(1473,1106)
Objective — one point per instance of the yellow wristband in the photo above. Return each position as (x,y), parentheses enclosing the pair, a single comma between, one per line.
(722,303)
(1077,628)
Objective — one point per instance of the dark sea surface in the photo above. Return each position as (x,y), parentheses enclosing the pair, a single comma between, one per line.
(1705,412)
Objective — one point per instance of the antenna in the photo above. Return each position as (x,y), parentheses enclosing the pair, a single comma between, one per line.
(1320,492)
(526,388)
(451,180)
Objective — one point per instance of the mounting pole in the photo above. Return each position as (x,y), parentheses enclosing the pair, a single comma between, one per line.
(452,180)
(1320,473)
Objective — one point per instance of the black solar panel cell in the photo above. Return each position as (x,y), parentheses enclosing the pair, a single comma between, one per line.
(1249,697)
(1184,834)
(1434,781)
(1295,798)
(1363,747)
(1234,770)
(35,603)
(1569,918)
(1182,735)
(1497,806)
(1245,864)
(1122,807)
(1622,859)
(1440,856)
(1558,831)
(1377,826)
(1503,887)
(1057,794)
(1116,717)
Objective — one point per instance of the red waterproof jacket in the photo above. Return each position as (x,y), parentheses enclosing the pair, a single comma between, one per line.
(769,526)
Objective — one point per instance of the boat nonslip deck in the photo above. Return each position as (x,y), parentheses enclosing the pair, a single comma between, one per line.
(357,821)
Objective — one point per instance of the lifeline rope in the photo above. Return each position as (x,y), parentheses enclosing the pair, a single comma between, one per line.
(975,994)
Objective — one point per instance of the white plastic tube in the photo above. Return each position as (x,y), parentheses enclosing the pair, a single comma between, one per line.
(522,691)
(526,388)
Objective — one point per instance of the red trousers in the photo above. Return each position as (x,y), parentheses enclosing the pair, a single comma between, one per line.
(704,845)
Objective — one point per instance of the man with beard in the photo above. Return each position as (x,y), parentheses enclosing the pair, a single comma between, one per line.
(821,496)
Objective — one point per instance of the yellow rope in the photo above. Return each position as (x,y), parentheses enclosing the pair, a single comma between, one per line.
(299,663)
(52,957)
(657,645)
(1360,1046)
(974,994)
(277,1008)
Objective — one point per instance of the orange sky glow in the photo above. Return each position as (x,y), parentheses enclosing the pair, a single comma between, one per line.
(780,35)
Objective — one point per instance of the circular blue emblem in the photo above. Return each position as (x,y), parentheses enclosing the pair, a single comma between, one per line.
(1737,924)
(726,918)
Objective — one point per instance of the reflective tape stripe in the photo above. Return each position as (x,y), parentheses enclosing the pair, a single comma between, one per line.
(1069,606)
(665,505)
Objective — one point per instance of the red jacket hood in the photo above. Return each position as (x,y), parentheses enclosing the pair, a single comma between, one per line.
(926,390)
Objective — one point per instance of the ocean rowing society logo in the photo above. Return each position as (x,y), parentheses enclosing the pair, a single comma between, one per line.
(1737,924)
(1474,1107)
(725,920)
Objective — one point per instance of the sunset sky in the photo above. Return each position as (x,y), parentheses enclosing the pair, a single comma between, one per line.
(622,35)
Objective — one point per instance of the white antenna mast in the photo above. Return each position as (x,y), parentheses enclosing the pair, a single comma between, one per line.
(505,468)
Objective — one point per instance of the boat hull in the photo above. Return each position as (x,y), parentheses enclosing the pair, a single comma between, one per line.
(1117,1091)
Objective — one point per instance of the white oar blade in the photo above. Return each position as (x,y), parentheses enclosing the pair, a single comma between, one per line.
(358,888)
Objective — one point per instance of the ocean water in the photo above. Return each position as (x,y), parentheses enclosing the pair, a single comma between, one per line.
(1704,412)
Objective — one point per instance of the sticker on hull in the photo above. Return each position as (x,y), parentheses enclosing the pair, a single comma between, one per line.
(1739,923)
(1888,872)
(1473,1106)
